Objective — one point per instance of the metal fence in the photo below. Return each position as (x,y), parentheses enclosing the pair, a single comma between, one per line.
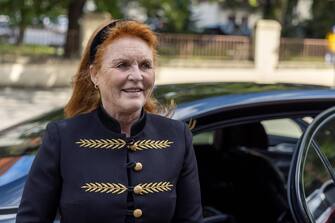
(44,43)
(302,49)
(205,46)
(186,46)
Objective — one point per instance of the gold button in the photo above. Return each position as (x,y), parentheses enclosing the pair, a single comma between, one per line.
(138,189)
(132,147)
(138,166)
(137,213)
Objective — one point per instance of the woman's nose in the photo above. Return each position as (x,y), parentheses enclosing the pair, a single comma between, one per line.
(135,73)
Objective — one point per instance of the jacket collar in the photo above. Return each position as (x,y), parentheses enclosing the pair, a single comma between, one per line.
(113,125)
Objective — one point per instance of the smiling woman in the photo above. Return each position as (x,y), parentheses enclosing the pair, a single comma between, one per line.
(114,157)
(111,49)
(125,78)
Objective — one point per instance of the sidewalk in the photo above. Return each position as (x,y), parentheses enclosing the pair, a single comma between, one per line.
(19,104)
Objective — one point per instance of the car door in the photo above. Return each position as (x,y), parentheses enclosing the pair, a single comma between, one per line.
(311,187)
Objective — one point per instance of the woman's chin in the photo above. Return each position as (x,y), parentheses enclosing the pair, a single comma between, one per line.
(133,107)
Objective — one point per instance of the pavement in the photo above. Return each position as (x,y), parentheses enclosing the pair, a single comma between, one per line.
(19,104)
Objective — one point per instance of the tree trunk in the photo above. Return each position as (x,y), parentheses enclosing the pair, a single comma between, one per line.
(22,27)
(72,44)
(19,39)
(268,11)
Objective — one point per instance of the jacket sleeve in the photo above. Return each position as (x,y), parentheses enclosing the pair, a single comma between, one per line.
(41,193)
(188,207)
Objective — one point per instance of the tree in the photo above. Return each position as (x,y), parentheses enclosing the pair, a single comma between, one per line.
(22,13)
(74,13)
(175,14)
(282,11)
(114,8)
(270,9)
(323,18)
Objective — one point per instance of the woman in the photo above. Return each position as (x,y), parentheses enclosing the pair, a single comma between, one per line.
(114,159)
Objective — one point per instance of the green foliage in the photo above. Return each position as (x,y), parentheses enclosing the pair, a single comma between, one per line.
(174,13)
(114,8)
(23,13)
(269,8)
(27,50)
(322,20)
(241,4)
(19,11)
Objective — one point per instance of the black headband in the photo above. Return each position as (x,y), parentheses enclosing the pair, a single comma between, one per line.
(98,39)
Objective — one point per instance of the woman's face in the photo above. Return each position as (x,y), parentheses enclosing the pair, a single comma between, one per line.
(126,76)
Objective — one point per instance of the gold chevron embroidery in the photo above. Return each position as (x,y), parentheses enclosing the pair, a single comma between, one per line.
(102,143)
(192,123)
(150,144)
(114,188)
(155,187)
(117,188)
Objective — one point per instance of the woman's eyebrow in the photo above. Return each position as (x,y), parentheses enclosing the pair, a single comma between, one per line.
(119,60)
(145,59)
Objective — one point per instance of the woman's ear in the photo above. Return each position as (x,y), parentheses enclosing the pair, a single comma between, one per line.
(94,75)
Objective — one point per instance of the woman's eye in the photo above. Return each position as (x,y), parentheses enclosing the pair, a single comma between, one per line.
(146,65)
(122,65)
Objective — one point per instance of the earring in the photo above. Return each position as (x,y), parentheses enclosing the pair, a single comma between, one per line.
(96,86)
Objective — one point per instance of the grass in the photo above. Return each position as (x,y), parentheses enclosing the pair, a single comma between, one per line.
(304,59)
(28,50)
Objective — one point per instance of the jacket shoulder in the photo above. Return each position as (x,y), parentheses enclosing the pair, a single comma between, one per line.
(76,121)
(161,121)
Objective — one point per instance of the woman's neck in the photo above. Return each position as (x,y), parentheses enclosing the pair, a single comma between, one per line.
(126,120)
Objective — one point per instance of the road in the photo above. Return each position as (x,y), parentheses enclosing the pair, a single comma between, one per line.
(18,104)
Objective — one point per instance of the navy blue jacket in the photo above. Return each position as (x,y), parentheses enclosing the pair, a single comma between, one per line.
(91,172)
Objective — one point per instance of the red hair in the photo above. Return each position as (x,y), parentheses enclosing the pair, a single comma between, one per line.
(85,97)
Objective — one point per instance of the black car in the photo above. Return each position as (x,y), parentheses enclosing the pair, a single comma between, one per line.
(264,151)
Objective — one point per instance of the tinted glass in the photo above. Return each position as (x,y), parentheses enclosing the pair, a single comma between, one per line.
(325,138)
(317,182)
(319,188)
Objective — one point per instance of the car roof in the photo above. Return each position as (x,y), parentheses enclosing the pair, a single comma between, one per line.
(182,93)
(254,95)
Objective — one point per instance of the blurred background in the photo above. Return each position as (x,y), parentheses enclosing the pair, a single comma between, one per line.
(264,41)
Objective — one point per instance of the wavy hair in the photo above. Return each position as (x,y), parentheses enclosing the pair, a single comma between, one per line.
(85,97)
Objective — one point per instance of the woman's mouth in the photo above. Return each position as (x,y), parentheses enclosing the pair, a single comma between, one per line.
(132,90)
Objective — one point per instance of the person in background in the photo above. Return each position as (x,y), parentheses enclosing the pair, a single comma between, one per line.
(244,29)
(330,55)
(115,158)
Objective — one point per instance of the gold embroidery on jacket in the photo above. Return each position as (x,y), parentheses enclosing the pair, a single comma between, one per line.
(192,123)
(117,188)
(150,144)
(120,143)
(114,188)
(155,187)
(102,143)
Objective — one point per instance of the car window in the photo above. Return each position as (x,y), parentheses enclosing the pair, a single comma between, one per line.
(204,138)
(312,176)
(319,189)
(276,127)
(282,127)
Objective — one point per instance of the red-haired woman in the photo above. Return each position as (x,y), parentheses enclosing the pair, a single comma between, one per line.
(115,159)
